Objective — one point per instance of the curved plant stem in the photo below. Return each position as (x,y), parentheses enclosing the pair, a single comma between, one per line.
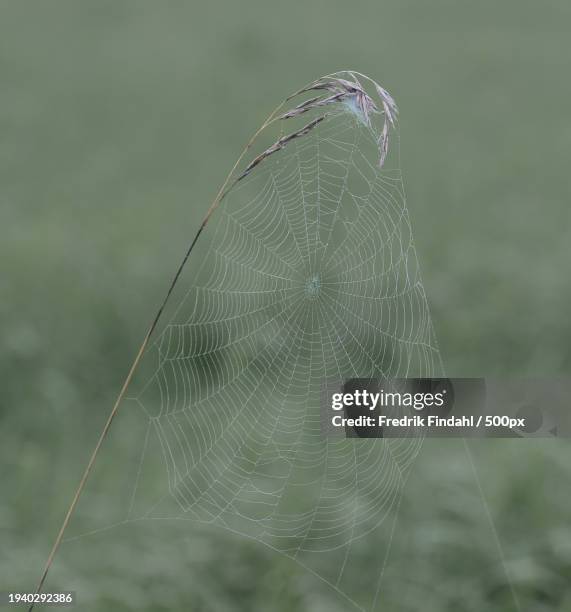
(226,187)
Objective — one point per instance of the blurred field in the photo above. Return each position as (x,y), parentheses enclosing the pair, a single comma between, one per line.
(118,122)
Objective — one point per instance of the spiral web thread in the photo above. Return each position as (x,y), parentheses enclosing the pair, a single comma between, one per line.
(310,275)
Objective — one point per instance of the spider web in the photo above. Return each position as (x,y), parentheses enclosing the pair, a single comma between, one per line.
(308,273)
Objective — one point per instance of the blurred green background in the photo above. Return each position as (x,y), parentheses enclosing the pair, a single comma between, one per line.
(118,122)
